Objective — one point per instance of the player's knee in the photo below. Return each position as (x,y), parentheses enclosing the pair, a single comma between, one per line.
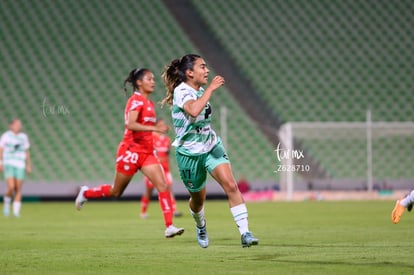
(161,186)
(231,187)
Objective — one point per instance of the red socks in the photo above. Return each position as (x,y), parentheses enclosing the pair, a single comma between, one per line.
(173,204)
(144,204)
(164,199)
(98,192)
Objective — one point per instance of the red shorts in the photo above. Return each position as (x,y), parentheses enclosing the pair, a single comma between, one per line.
(128,160)
(167,176)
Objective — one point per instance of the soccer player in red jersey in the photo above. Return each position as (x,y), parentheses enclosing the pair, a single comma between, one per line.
(162,145)
(136,150)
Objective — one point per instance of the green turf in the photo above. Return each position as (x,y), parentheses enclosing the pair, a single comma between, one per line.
(295,238)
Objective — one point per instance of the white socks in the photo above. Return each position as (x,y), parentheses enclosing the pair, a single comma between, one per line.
(240,216)
(16,208)
(407,199)
(7,201)
(198,217)
(239,213)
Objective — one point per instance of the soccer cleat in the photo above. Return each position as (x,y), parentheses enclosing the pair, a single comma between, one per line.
(80,199)
(173,231)
(247,240)
(144,215)
(397,212)
(202,237)
(410,207)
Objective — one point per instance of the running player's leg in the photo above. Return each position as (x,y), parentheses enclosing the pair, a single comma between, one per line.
(196,204)
(408,200)
(121,181)
(169,181)
(146,197)
(17,201)
(401,205)
(219,167)
(125,170)
(193,174)
(153,171)
(7,199)
(19,174)
(224,176)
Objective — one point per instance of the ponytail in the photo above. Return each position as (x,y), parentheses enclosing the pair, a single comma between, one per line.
(172,77)
(174,74)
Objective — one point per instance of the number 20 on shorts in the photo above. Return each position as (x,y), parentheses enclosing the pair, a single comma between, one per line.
(130,157)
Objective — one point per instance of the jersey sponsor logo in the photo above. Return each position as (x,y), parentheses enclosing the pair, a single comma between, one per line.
(207,113)
(150,119)
(17,147)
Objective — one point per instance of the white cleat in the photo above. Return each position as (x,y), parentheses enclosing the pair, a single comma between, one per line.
(80,199)
(173,231)
(202,237)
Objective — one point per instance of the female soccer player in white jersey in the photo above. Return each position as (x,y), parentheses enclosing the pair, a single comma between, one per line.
(14,161)
(198,148)
(136,150)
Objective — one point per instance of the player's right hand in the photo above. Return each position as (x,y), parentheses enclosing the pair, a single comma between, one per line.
(217,82)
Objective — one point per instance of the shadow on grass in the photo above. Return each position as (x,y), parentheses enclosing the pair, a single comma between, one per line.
(310,262)
(362,261)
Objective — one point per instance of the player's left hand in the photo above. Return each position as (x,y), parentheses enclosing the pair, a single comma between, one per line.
(162,127)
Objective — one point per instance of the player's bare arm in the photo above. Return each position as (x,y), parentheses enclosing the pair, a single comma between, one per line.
(195,107)
(28,162)
(133,125)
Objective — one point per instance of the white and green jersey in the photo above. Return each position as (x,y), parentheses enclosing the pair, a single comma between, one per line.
(194,135)
(14,149)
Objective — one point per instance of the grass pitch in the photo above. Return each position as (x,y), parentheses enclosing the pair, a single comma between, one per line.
(295,238)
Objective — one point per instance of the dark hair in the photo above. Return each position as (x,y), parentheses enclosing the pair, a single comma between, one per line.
(174,74)
(13,120)
(134,75)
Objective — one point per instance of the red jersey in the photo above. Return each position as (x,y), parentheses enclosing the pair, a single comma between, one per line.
(143,141)
(162,145)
